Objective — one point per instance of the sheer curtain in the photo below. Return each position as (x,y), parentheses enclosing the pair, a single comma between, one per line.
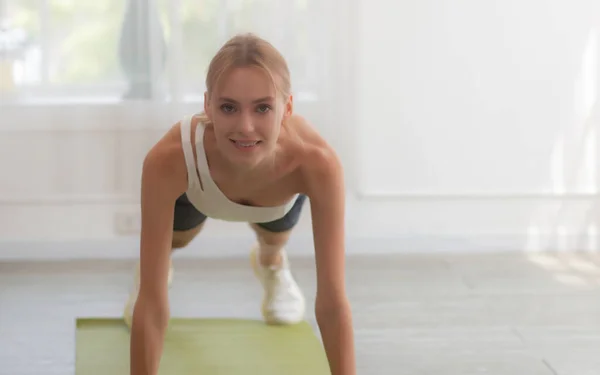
(111,50)
(87,86)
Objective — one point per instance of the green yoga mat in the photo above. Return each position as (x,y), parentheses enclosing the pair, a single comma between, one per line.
(205,346)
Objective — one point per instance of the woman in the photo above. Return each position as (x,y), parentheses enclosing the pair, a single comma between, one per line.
(246,158)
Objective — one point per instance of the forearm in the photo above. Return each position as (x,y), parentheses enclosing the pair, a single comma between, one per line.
(335,325)
(147,337)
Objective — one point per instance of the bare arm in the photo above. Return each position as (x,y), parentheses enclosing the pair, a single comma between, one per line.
(332,309)
(151,312)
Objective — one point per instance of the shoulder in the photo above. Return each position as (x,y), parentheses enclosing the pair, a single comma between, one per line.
(320,166)
(323,173)
(164,165)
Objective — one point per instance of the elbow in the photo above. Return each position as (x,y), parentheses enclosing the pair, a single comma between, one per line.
(151,314)
(327,307)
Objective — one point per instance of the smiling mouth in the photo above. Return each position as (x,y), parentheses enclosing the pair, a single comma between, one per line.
(245,144)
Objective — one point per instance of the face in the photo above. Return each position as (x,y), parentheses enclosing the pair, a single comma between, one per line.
(247,113)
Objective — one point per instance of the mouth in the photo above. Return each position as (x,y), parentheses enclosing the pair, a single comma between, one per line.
(245,144)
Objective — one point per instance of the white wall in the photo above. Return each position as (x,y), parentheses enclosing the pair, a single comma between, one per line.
(486,112)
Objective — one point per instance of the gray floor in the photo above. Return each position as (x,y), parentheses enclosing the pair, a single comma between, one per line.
(508,314)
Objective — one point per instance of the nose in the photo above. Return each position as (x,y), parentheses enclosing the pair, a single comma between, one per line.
(246,123)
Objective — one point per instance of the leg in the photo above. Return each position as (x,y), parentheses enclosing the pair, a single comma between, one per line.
(188,222)
(283,301)
(273,236)
(270,245)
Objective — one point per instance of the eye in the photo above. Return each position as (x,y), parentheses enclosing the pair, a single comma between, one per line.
(263,108)
(227,108)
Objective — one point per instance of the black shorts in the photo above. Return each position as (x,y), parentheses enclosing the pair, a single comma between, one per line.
(188,217)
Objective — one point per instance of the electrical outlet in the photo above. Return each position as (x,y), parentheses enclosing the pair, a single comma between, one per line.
(127,223)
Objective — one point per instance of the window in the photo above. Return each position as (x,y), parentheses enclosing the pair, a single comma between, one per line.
(110,50)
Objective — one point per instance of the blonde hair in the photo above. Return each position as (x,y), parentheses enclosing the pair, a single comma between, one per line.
(248,50)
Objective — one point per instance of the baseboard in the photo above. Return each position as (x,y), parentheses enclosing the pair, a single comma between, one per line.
(238,246)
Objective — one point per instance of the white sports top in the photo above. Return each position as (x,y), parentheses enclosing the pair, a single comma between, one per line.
(207,197)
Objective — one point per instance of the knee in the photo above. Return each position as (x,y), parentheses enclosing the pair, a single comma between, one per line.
(271,238)
(179,242)
(183,238)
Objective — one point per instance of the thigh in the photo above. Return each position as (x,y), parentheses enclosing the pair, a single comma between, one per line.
(187,217)
(290,219)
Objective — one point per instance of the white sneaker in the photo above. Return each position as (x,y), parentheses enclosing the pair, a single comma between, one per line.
(128,313)
(283,301)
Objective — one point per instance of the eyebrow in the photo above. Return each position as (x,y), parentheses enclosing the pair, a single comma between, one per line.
(265,99)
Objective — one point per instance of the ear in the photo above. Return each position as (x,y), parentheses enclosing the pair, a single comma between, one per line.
(206,104)
(289,107)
